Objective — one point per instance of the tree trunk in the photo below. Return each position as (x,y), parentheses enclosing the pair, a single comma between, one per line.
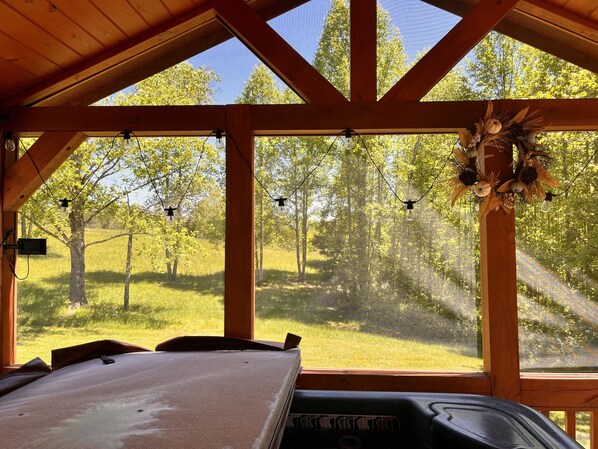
(171,268)
(23,223)
(128,268)
(77,294)
(260,251)
(304,227)
(297,239)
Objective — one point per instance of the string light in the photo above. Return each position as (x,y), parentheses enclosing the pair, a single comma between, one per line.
(347,139)
(170,210)
(219,142)
(64,205)
(547,203)
(409,212)
(9,141)
(170,213)
(127,141)
(280,202)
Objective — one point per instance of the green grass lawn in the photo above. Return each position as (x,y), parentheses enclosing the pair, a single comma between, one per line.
(193,305)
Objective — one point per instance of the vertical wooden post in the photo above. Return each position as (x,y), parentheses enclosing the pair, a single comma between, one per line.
(7,286)
(239,272)
(498,267)
(570,423)
(594,429)
(363,50)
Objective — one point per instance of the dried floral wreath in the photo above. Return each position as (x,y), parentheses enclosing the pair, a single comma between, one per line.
(530,166)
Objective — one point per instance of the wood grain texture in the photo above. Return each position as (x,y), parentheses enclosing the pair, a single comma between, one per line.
(560,391)
(298,119)
(556,38)
(239,271)
(363,50)
(570,423)
(8,319)
(276,53)
(130,59)
(441,58)
(594,429)
(21,180)
(498,279)
(385,380)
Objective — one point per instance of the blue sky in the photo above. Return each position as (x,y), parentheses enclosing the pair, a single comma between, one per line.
(420,24)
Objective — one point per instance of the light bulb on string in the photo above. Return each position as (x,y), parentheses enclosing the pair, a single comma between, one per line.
(127,141)
(219,140)
(409,211)
(64,205)
(547,203)
(347,139)
(170,213)
(280,202)
(9,141)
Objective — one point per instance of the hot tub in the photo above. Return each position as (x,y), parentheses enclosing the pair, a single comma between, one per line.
(362,420)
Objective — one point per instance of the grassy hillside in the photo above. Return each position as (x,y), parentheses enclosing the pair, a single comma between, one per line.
(193,305)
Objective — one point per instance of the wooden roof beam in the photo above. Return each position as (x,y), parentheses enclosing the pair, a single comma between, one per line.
(276,53)
(297,119)
(453,47)
(363,50)
(49,152)
(548,28)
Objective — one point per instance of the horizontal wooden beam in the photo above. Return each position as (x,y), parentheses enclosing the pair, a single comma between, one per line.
(385,380)
(110,120)
(577,392)
(49,152)
(297,119)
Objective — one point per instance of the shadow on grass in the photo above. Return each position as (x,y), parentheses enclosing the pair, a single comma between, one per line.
(316,301)
(212,284)
(309,302)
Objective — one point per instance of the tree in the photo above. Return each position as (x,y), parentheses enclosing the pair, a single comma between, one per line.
(502,66)
(191,163)
(352,222)
(261,88)
(89,177)
(84,179)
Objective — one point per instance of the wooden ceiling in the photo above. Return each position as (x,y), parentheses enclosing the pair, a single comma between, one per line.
(74,52)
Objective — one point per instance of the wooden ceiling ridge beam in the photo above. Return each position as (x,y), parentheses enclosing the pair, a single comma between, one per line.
(299,119)
(447,53)
(276,53)
(46,155)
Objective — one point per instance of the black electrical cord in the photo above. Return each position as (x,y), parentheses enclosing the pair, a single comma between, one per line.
(408,202)
(583,169)
(10,258)
(170,209)
(281,200)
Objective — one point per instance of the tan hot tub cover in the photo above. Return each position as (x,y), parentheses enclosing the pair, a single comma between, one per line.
(155,400)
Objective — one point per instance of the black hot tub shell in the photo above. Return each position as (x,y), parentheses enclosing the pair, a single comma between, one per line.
(361,420)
